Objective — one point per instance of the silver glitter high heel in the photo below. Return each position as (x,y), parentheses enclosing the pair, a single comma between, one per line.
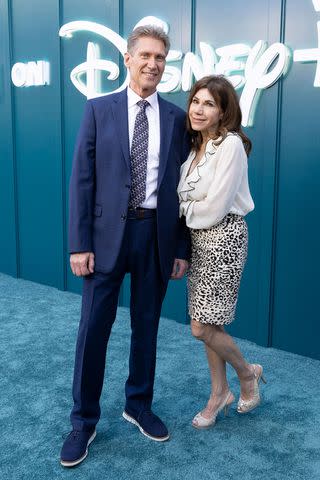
(201,422)
(245,406)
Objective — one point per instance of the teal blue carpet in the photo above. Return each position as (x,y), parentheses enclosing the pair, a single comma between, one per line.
(279,440)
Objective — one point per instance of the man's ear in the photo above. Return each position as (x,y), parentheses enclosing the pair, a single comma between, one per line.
(126,59)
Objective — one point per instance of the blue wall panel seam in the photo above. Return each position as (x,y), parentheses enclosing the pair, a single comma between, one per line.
(121,16)
(193,25)
(121,33)
(63,157)
(276,186)
(13,141)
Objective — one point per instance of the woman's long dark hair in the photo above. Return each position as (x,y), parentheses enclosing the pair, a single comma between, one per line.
(227,100)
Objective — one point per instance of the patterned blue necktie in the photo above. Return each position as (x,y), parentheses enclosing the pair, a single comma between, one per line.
(139,156)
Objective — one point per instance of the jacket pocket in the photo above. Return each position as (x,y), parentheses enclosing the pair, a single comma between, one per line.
(97,211)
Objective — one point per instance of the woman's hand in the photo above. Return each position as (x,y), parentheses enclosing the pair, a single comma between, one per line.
(180,267)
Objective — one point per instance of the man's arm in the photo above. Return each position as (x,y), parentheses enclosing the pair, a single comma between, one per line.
(81,196)
(183,251)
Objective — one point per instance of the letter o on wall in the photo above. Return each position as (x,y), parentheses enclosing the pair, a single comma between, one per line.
(19,74)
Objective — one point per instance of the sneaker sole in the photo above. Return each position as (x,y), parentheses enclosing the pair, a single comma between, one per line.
(134,421)
(79,460)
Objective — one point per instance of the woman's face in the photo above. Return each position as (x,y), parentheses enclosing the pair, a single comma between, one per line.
(204,113)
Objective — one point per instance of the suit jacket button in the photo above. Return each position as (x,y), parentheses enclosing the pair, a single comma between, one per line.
(123,217)
(127,186)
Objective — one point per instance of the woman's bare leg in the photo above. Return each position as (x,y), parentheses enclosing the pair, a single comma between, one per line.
(219,383)
(222,344)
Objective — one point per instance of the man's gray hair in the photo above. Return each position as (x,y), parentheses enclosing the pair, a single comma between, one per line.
(148,31)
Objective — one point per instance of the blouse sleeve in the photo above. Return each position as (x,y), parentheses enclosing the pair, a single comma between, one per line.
(223,189)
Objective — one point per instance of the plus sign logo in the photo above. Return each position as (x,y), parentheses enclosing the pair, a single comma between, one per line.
(250,68)
(307,55)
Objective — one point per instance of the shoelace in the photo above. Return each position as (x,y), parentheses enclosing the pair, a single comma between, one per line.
(75,434)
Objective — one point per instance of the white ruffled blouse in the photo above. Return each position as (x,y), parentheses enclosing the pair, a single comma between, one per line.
(218,185)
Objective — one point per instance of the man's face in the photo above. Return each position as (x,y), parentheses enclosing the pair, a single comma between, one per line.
(146,64)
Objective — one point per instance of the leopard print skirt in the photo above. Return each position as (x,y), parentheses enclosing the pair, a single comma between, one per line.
(217,260)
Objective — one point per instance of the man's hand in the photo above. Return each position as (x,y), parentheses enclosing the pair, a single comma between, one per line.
(82,264)
(179,268)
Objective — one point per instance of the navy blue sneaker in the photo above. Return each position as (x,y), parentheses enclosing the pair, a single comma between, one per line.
(75,447)
(149,424)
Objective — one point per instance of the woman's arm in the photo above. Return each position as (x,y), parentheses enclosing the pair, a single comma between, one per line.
(223,189)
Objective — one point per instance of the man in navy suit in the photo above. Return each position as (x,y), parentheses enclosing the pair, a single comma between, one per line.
(124,217)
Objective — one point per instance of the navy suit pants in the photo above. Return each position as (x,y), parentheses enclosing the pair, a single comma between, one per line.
(139,257)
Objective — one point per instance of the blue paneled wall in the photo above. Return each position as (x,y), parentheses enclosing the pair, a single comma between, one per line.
(38,124)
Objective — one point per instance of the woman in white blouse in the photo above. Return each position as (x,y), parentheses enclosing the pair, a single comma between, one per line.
(214,197)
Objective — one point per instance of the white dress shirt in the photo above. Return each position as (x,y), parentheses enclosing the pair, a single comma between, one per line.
(218,185)
(152,112)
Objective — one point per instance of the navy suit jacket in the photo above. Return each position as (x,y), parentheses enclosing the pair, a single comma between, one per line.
(101,179)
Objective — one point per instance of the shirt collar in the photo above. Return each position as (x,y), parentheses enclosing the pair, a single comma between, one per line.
(212,145)
(133,98)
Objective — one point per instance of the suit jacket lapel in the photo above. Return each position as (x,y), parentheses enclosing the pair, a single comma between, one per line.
(166,129)
(120,113)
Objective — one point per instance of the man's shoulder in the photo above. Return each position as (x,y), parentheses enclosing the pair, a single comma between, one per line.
(105,100)
(172,106)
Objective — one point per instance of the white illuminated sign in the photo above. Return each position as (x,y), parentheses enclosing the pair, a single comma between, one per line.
(91,69)
(30,74)
(252,68)
(259,76)
(311,55)
(316,4)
